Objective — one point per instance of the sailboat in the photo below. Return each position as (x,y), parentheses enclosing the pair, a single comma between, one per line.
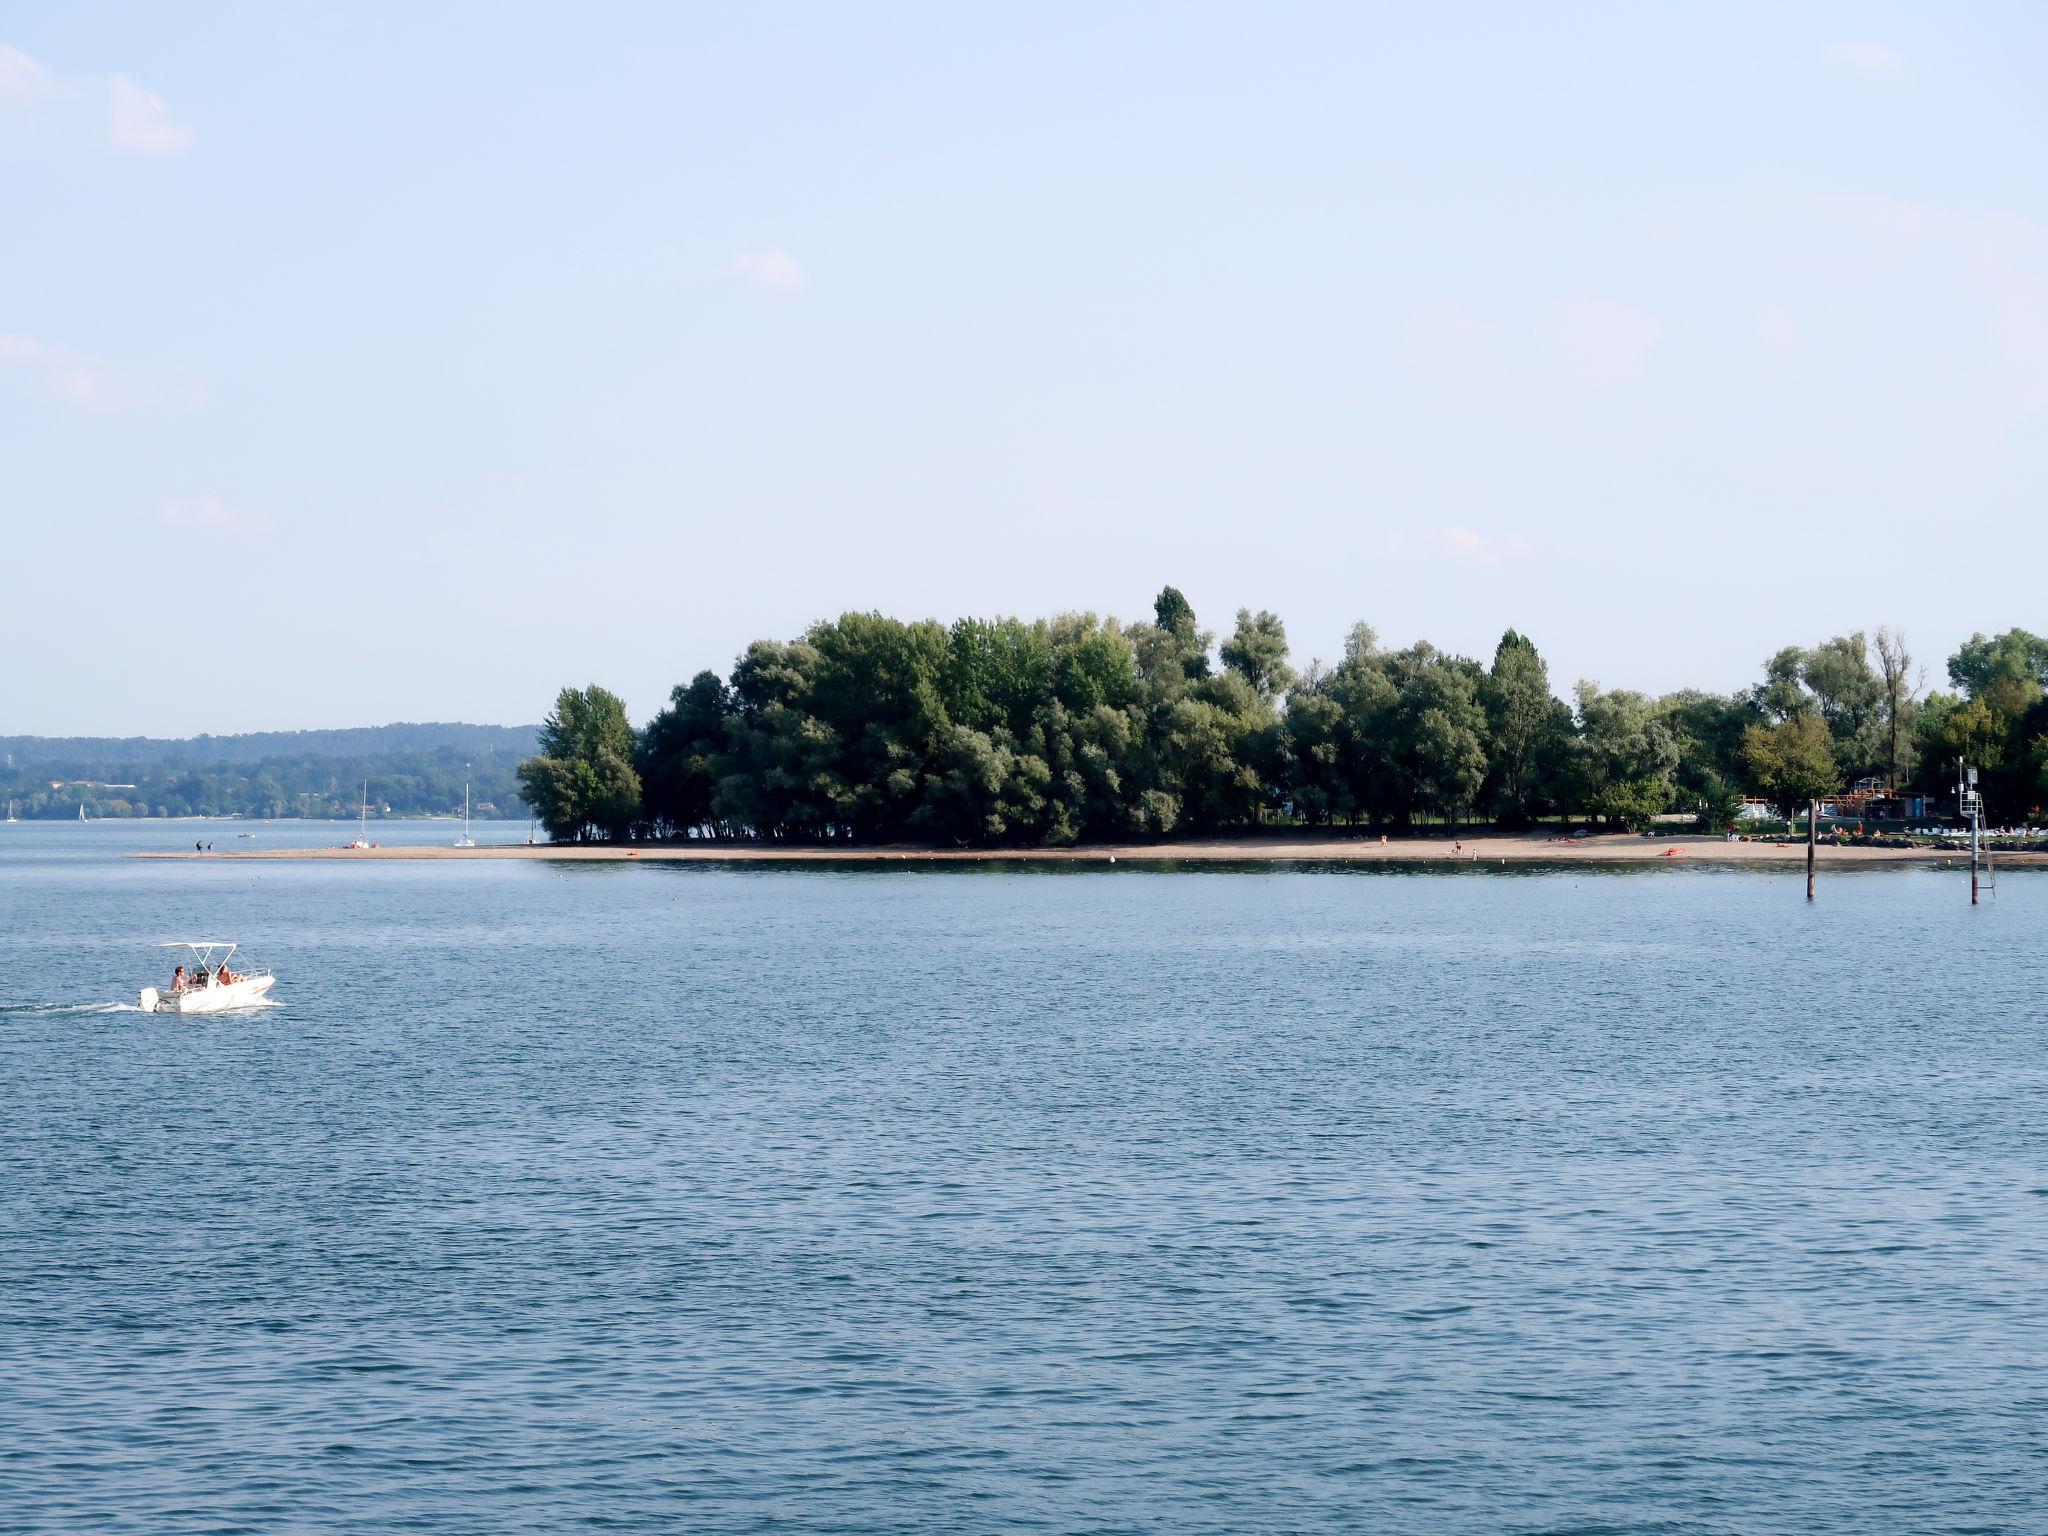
(10,812)
(363,821)
(81,810)
(465,841)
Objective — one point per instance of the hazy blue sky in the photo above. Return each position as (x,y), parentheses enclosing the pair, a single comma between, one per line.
(408,363)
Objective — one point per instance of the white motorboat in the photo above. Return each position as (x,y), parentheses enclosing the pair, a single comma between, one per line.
(206,985)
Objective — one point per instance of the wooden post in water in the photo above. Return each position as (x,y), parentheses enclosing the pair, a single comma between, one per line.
(1812,842)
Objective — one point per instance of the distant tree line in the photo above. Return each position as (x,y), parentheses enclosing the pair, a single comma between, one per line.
(412,769)
(248,749)
(1048,732)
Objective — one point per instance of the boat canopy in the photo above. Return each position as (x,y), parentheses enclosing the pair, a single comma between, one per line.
(203,950)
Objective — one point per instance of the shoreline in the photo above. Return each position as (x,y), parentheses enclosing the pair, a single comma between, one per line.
(1606,848)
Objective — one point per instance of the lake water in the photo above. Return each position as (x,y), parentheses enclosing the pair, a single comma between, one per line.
(658,1198)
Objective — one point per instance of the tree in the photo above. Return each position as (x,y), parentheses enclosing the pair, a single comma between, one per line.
(2015,657)
(1034,732)
(1176,618)
(1625,759)
(1848,694)
(1257,652)
(678,754)
(878,689)
(1900,680)
(1707,728)
(1448,760)
(1435,732)
(1793,762)
(1714,802)
(1201,763)
(581,783)
(1780,696)
(1995,728)
(777,778)
(1315,752)
(1521,712)
(1335,743)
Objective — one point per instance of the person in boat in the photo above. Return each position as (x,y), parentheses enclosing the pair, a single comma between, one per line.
(225,976)
(178,979)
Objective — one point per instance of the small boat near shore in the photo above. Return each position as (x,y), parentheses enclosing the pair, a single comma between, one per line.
(207,986)
(465,841)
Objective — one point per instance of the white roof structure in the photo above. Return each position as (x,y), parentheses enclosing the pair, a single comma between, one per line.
(197,944)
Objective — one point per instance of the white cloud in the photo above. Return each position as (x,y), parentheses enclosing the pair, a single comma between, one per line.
(1871,63)
(93,384)
(135,121)
(21,77)
(70,376)
(210,515)
(138,123)
(772,271)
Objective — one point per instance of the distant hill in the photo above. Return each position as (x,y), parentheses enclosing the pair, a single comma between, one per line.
(414,769)
(257,746)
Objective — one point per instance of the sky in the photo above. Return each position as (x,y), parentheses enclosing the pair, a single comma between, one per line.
(367,363)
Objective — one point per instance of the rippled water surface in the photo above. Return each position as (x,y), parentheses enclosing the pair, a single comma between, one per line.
(557,1197)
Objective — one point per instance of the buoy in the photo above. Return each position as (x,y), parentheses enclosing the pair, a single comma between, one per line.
(1112,858)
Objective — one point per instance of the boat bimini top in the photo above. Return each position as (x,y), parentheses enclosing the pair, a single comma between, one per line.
(204,951)
(201,946)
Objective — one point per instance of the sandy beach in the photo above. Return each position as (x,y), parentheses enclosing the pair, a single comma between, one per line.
(1538,848)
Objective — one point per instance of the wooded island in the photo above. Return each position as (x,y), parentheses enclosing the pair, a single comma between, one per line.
(1010,732)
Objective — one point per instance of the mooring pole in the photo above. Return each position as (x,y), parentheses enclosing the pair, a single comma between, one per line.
(1812,842)
(1976,820)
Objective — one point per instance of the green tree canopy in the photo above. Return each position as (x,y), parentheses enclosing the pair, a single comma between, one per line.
(1525,724)
(2014,658)
(1257,652)
(1033,732)
(677,755)
(1625,761)
(582,784)
(1793,762)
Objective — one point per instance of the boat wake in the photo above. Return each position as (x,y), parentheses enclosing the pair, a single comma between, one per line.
(62,1010)
(90,1010)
